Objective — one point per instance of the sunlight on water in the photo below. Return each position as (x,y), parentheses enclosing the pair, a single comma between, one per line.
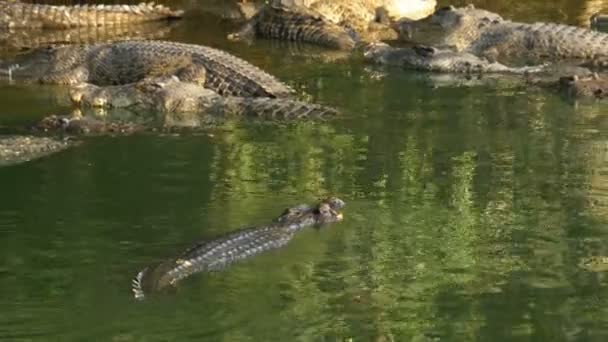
(469,209)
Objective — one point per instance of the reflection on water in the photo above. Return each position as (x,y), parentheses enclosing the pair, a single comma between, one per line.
(468,211)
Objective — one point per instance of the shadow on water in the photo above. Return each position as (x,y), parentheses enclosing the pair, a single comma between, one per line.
(469,207)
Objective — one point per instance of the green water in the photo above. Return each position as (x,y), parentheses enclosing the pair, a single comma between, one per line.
(468,211)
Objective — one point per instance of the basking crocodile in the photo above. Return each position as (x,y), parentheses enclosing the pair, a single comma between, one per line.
(438,60)
(20,40)
(219,253)
(170,95)
(295,23)
(133,61)
(487,34)
(15,149)
(336,24)
(15,14)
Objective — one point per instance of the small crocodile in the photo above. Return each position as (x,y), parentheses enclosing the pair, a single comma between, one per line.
(132,61)
(487,34)
(15,14)
(223,251)
(439,60)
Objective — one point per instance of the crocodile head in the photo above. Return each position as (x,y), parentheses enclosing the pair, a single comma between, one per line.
(455,26)
(327,211)
(37,64)
(76,125)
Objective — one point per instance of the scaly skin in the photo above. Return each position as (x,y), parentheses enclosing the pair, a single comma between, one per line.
(14,14)
(169,104)
(19,149)
(130,62)
(437,60)
(338,24)
(295,24)
(221,252)
(486,34)
(19,39)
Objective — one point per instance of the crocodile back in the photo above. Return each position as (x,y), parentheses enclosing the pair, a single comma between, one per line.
(17,14)
(212,256)
(132,61)
(540,41)
(301,24)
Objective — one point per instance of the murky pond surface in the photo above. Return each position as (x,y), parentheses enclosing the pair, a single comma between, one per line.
(469,210)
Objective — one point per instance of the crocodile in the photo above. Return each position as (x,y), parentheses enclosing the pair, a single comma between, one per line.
(132,61)
(295,23)
(15,14)
(338,24)
(487,34)
(219,253)
(169,104)
(593,86)
(433,59)
(12,40)
(16,149)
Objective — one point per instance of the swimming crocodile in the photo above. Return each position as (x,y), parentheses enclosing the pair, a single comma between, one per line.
(223,251)
(14,14)
(439,60)
(132,61)
(593,86)
(487,34)
(338,24)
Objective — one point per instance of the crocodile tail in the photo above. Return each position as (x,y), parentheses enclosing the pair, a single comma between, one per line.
(49,16)
(137,285)
(277,109)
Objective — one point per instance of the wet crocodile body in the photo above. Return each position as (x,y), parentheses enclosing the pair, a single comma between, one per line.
(438,60)
(170,95)
(487,34)
(221,252)
(16,149)
(15,14)
(132,61)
